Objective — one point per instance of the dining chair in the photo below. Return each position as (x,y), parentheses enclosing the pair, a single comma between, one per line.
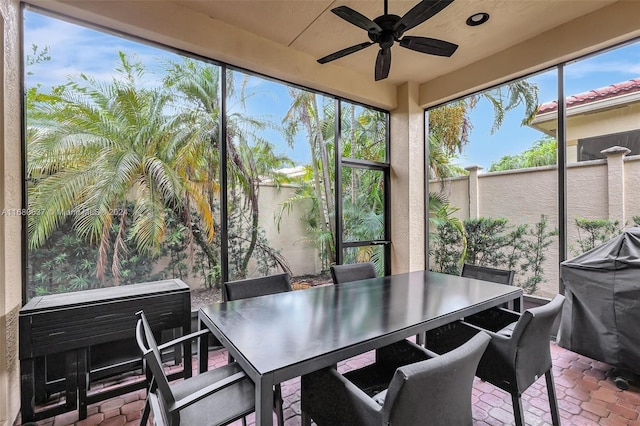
(216,397)
(486,273)
(518,354)
(434,391)
(261,286)
(253,287)
(352,272)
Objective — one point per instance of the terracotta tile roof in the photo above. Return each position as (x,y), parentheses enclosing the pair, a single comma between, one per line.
(617,89)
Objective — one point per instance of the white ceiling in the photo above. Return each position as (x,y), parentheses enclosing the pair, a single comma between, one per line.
(310,27)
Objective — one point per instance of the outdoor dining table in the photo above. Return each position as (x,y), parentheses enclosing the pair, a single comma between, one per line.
(281,336)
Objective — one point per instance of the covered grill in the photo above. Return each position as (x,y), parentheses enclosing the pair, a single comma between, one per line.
(601,314)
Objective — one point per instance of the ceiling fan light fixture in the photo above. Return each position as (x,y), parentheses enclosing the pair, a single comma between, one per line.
(477,19)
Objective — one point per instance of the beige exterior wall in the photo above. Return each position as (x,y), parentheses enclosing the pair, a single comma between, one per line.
(523,195)
(407,182)
(10,225)
(586,191)
(622,118)
(603,123)
(291,240)
(631,185)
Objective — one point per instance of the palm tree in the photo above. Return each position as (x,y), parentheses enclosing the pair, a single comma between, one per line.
(251,158)
(318,125)
(94,147)
(363,137)
(127,162)
(450,123)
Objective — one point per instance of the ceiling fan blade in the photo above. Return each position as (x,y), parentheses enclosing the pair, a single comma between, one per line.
(420,13)
(357,19)
(428,45)
(383,64)
(344,52)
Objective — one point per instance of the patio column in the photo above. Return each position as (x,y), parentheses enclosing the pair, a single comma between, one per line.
(407,182)
(474,192)
(10,203)
(615,182)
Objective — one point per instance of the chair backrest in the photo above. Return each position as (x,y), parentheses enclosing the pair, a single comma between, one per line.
(531,336)
(151,354)
(253,287)
(352,272)
(485,273)
(436,391)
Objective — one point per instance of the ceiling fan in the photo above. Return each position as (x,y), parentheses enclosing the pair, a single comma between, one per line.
(387,29)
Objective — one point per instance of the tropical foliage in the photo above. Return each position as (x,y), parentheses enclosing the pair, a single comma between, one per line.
(497,243)
(132,171)
(126,176)
(450,124)
(543,152)
(363,137)
(449,130)
(594,232)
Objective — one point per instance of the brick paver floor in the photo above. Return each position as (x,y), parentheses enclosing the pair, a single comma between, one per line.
(586,396)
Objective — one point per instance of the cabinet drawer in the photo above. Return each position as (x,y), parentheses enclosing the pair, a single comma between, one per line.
(54,329)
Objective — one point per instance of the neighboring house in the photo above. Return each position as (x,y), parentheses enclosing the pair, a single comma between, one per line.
(596,120)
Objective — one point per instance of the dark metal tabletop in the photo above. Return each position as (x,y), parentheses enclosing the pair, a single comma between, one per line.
(281,336)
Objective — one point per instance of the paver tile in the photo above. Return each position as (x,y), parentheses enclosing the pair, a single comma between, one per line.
(586,396)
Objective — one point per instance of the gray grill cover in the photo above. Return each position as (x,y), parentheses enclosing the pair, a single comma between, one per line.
(601,313)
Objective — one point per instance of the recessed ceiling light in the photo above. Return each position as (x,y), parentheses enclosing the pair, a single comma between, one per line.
(477,19)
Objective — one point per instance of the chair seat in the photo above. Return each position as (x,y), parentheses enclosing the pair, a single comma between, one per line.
(375,378)
(380,397)
(371,379)
(508,330)
(225,406)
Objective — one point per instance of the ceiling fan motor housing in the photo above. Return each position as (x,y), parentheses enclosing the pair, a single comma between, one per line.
(389,35)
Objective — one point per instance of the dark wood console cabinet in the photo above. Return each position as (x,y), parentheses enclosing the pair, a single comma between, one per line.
(69,325)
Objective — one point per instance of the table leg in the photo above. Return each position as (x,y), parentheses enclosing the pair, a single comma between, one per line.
(203,350)
(264,402)
(188,356)
(518,304)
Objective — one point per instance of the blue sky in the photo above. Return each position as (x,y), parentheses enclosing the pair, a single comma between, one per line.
(75,49)
(594,72)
